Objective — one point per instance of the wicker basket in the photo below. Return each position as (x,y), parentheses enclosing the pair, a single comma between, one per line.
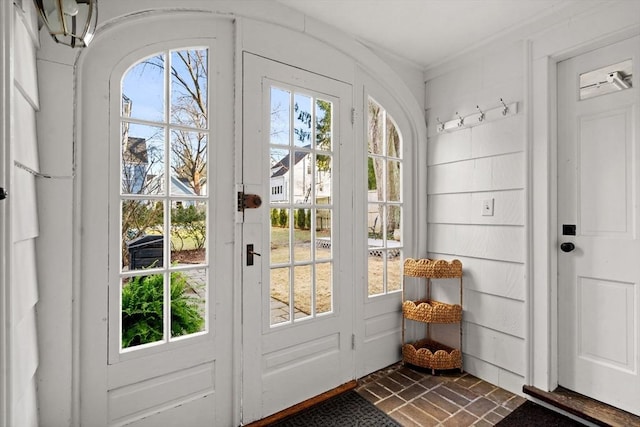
(432,311)
(435,269)
(432,355)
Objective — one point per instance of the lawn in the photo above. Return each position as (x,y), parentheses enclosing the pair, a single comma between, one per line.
(280,276)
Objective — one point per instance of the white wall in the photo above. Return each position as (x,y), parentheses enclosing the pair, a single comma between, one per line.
(466,167)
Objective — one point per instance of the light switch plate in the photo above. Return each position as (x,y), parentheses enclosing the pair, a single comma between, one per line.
(487,207)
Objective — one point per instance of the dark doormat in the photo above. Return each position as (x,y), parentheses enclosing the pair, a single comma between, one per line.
(534,415)
(345,410)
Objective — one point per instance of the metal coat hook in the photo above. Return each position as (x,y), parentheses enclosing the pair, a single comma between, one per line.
(460,120)
(505,109)
(481,118)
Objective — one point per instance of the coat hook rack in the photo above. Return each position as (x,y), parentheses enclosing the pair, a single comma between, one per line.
(479,118)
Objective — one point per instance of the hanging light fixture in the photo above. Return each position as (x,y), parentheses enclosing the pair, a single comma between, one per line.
(70,22)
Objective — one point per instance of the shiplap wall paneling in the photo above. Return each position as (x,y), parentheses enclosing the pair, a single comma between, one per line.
(465,168)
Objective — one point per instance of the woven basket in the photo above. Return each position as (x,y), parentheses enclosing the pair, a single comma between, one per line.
(438,268)
(432,355)
(432,311)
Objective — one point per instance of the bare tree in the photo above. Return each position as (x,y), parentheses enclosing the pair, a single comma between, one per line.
(189,114)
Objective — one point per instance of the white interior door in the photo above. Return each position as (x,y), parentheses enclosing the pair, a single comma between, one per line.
(598,213)
(155,175)
(298,293)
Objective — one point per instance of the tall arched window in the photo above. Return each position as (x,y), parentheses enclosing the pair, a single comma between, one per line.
(163,198)
(385,203)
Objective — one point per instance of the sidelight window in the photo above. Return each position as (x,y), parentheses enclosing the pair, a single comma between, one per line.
(384,201)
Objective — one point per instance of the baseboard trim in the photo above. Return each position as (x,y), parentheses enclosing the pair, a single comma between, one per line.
(584,407)
(304,405)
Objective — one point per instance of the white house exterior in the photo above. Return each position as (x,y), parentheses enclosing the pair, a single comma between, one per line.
(54,249)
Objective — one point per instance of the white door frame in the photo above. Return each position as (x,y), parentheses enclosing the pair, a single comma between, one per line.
(6,83)
(592,29)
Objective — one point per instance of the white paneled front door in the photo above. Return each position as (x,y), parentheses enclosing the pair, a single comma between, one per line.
(298,273)
(599,224)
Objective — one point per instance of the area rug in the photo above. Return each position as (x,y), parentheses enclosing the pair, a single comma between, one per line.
(530,414)
(345,410)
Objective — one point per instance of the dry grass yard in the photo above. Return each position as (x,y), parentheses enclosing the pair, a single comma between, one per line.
(280,277)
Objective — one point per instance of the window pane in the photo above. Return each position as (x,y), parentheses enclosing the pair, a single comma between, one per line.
(188,163)
(323,234)
(376,184)
(324,289)
(141,230)
(142,310)
(393,181)
(302,120)
(375,223)
(375,267)
(392,226)
(280,116)
(302,290)
(394,270)
(143,90)
(279,295)
(393,139)
(303,170)
(324,134)
(188,302)
(143,158)
(323,179)
(189,69)
(279,236)
(279,178)
(376,129)
(188,232)
(302,235)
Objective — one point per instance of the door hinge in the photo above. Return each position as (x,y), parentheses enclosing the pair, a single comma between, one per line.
(353,116)
(353,341)
(248,201)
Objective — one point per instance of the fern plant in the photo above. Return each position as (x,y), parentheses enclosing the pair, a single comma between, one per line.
(142,309)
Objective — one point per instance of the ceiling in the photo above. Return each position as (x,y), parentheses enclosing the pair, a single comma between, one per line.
(428,32)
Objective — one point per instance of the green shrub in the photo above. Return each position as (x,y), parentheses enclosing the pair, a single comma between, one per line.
(274,217)
(189,224)
(300,219)
(284,217)
(142,303)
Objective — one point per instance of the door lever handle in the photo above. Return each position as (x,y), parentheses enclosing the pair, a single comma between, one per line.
(567,247)
(250,253)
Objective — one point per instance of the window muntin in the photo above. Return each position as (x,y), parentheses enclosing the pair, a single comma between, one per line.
(164,267)
(301,205)
(384,202)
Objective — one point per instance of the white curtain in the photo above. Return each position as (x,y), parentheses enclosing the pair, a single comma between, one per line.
(24,228)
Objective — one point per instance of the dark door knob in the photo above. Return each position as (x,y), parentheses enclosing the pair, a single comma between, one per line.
(567,247)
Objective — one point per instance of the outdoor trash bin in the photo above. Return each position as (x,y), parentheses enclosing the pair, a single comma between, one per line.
(146,251)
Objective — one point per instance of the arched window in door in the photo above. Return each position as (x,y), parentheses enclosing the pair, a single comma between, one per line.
(384,201)
(163,199)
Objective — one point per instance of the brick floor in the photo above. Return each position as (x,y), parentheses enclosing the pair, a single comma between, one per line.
(416,398)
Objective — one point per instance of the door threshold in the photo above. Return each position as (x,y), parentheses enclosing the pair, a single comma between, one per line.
(278,416)
(584,407)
